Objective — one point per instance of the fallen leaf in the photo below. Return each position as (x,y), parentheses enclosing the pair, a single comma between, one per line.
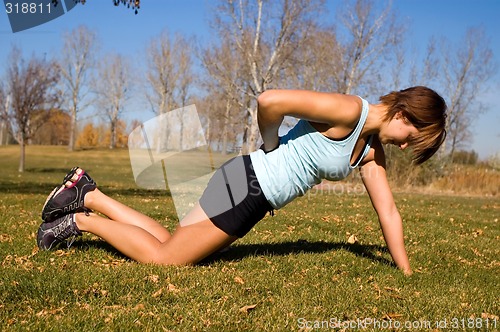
(139,307)
(61,253)
(352,239)
(247,308)
(392,289)
(158,292)
(477,252)
(239,280)
(486,315)
(152,278)
(5,238)
(477,232)
(391,316)
(172,288)
(114,307)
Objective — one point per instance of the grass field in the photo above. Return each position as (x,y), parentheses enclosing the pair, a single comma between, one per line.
(294,271)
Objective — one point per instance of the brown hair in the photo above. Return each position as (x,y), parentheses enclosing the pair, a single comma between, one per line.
(426,110)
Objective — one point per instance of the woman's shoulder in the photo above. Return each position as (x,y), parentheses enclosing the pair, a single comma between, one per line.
(346,110)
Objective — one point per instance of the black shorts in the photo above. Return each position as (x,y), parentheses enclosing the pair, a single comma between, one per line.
(233,199)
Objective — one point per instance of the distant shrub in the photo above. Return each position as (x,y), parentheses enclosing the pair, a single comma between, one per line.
(470,180)
(402,173)
(464,157)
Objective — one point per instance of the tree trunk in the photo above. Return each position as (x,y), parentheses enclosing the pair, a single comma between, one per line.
(22,145)
(3,129)
(245,149)
(112,139)
(254,132)
(225,128)
(72,130)
(181,129)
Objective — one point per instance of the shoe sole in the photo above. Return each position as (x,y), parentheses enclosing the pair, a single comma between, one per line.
(70,180)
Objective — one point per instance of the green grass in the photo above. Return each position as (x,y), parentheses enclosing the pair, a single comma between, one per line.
(294,267)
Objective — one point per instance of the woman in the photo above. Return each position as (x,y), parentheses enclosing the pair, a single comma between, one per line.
(336,134)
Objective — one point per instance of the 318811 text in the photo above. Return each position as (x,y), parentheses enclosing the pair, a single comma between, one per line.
(27,8)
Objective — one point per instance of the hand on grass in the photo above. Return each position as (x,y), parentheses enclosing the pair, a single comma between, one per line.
(407,272)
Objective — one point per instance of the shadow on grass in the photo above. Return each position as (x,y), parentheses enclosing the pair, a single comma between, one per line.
(26,187)
(54,170)
(42,188)
(86,244)
(240,251)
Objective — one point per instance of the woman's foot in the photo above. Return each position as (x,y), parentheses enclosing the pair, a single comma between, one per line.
(69,196)
(50,234)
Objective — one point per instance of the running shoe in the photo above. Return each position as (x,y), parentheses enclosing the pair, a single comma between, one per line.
(69,196)
(50,234)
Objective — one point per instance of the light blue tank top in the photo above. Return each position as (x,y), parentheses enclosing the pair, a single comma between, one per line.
(305,157)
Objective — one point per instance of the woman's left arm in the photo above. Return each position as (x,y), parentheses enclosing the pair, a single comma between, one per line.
(333,109)
(375,180)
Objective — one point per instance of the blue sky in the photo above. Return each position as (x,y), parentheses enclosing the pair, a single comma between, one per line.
(120,31)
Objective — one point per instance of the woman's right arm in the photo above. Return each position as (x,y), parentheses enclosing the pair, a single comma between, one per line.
(333,109)
(374,178)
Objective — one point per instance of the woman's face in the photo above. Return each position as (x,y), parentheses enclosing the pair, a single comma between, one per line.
(398,131)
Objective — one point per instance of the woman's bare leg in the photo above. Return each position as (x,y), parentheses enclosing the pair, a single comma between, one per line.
(97,201)
(139,236)
(187,245)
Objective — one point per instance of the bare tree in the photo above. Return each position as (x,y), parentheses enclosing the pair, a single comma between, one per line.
(371,36)
(32,87)
(77,58)
(315,61)
(169,74)
(185,78)
(265,34)
(169,78)
(225,92)
(113,91)
(4,107)
(228,124)
(161,75)
(428,71)
(466,67)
